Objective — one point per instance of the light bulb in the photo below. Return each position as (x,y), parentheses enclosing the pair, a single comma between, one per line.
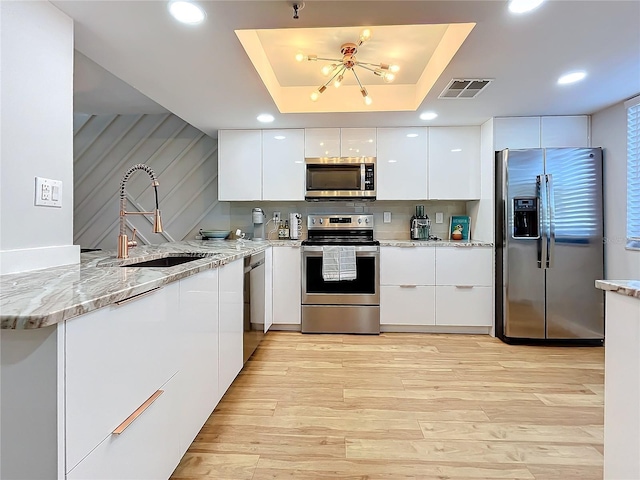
(314,95)
(394,68)
(186,12)
(338,81)
(388,77)
(367,100)
(365,35)
(327,69)
(300,57)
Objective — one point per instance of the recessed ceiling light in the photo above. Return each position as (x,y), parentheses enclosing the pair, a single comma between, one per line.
(523,6)
(456,149)
(412,135)
(279,137)
(186,12)
(265,118)
(392,161)
(428,115)
(571,78)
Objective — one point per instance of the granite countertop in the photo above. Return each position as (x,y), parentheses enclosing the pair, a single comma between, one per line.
(434,243)
(45,297)
(630,288)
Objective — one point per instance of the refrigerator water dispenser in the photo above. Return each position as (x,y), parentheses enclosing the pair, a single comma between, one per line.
(525,218)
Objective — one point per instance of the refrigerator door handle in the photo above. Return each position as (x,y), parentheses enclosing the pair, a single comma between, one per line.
(552,221)
(542,215)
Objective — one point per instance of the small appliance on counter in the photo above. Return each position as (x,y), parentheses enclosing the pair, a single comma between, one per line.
(295,226)
(258,216)
(420,224)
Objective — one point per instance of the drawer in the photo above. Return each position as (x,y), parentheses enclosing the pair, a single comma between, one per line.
(464,306)
(464,266)
(407,305)
(116,358)
(407,266)
(147,449)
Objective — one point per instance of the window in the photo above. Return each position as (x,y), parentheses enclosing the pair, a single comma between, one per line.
(633,173)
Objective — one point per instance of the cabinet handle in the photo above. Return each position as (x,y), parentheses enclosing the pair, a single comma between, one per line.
(136,297)
(408,286)
(464,286)
(122,427)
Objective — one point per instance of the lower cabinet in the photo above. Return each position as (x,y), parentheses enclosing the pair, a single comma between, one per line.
(199,331)
(466,305)
(116,358)
(287,294)
(231,323)
(148,449)
(407,305)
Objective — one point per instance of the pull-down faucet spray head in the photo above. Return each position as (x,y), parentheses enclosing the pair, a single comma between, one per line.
(123,242)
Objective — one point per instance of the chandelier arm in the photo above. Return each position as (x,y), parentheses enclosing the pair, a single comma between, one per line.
(357,79)
(377,65)
(339,60)
(334,76)
(366,68)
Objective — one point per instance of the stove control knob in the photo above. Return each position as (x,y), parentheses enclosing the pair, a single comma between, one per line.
(359,220)
(321,221)
(313,221)
(366,220)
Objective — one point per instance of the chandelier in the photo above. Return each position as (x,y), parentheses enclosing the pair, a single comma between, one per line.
(347,63)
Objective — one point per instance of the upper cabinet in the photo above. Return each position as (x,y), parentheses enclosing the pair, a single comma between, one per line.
(340,142)
(572,131)
(454,163)
(239,165)
(357,142)
(321,142)
(283,164)
(542,132)
(402,163)
(261,165)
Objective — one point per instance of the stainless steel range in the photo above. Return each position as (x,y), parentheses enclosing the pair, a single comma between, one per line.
(333,303)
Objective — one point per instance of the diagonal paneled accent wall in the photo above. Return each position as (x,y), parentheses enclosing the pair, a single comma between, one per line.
(184,159)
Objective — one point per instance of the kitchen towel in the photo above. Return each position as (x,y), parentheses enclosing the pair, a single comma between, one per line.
(347,263)
(331,264)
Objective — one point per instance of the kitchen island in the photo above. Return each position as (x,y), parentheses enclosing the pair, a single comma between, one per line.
(622,379)
(109,370)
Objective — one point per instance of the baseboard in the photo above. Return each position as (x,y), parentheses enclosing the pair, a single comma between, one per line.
(286,327)
(473,330)
(24,260)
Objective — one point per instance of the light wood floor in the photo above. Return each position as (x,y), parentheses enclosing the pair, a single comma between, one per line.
(400,406)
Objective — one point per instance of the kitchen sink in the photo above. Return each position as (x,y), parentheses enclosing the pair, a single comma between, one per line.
(167,261)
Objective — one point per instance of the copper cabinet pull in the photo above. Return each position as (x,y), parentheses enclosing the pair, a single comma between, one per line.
(122,427)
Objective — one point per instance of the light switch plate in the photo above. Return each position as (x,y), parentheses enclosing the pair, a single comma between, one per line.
(439,218)
(386,217)
(48,192)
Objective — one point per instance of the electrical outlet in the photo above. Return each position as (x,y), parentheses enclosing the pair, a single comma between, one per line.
(48,192)
(439,217)
(386,218)
(276,217)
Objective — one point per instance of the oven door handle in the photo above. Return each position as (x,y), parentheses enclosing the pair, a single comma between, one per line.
(359,249)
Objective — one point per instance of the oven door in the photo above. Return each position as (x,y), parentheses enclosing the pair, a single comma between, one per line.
(364,290)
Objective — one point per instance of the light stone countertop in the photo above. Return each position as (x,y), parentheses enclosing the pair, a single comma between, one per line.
(434,243)
(630,288)
(40,298)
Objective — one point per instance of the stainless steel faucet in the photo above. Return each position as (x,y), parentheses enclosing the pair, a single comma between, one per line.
(123,242)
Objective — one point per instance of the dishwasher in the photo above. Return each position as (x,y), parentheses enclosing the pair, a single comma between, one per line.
(254,303)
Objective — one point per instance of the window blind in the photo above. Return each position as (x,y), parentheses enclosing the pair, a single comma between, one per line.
(633,173)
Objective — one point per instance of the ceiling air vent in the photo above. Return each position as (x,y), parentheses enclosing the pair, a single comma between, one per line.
(464,88)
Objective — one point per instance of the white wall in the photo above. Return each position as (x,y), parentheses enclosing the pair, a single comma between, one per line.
(609,130)
(36,107)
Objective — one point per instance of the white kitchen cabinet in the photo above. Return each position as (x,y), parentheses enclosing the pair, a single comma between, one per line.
(116,358)
(230,288)
(287,296)
(565,131)
(321,142)
(516,132)
(199,326)
(402,163)
(464,293)
(407,291)
(454,163)
(358,142)
(147,450)
(239,165)
(283,166)
(268,289)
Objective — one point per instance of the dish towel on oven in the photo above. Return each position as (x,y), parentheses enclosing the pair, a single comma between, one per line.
(338,263)
(348,263)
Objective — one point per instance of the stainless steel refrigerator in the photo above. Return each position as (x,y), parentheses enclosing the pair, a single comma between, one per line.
(549,245)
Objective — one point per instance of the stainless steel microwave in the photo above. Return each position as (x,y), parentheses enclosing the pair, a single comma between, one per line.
(340,178)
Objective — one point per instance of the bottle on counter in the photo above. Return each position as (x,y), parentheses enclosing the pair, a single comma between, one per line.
(286,229)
